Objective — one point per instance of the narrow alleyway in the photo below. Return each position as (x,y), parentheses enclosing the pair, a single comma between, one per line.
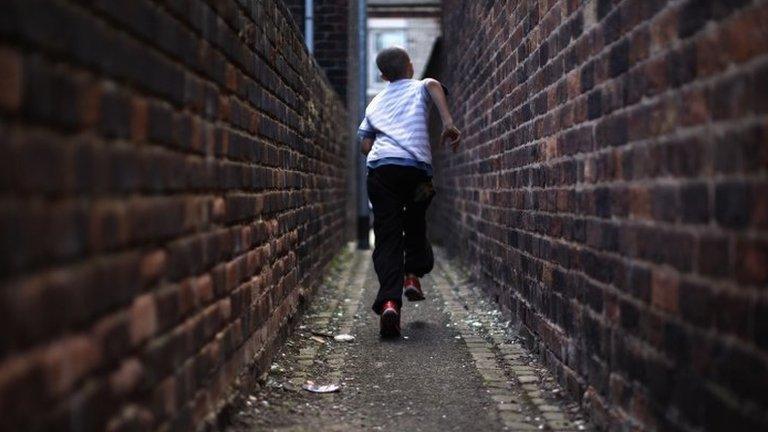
(456,367)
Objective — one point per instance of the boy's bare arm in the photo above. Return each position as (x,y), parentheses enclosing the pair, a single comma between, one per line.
(450,132)
(365,146)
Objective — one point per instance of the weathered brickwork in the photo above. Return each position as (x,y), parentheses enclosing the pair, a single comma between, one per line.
(332,37)
(332,41)
(611,195)
(172,185)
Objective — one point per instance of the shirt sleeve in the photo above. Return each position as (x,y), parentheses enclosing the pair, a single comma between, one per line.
(366,130)
(424,86)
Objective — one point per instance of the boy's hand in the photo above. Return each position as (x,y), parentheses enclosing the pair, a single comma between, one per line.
(365,146)
(452,133)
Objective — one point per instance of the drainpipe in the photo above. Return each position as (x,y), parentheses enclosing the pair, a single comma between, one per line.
(363,220)
(309,25)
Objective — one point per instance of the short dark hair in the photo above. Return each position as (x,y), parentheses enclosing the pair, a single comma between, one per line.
(393,63)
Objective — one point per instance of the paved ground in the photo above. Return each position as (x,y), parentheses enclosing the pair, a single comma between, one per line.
(457,367)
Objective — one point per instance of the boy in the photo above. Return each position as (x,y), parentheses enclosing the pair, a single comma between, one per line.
(395,140)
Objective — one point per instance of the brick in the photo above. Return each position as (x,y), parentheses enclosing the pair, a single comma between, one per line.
(697,303)
(665,203)
(694,201)
(664,291)
(127,378)
(751,259)
(139,119)
(153,266)
(143,318)
(68,360)
(732,204)
(11,75)
(714,256)
(619,58)
(115,114)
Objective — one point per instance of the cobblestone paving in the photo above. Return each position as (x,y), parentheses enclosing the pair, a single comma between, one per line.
(457,366)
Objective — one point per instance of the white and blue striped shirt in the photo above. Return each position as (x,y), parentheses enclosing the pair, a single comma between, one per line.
(397,121)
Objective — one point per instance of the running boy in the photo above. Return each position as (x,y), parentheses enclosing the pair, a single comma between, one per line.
(395,140)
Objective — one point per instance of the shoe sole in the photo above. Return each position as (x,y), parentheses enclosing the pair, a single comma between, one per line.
(413,294)
(390,324)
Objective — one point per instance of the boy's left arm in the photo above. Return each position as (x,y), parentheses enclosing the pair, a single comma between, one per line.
(365,146)
(367,135)
(450,131)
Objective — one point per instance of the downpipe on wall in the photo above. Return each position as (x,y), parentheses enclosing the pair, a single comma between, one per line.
(309,25)
(363,218)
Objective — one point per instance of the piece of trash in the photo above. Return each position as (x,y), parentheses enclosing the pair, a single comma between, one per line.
(405,337)
(318,339)
(314,388)
(477,324)
(344,338)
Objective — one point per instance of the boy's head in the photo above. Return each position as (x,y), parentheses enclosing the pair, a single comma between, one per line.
(394,64)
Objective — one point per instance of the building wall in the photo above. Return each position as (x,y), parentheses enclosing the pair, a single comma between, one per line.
(332,42)
(297,12)
(610,194)
(418,36)
(172,185)
(332,39)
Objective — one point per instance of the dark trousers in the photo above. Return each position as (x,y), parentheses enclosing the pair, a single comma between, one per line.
(400,227)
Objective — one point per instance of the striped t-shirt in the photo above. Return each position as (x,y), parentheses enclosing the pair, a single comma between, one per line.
(397,121)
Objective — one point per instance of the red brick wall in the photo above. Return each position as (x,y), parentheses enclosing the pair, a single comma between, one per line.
(332,37)
(611,196)
(332,41)
(172,184)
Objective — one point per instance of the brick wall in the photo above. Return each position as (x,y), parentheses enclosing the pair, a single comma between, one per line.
(611,196)
(332,41)
(172,184)
(332,37)
(297,12)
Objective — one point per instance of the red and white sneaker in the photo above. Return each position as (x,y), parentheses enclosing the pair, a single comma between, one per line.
(390,320)
(412,289)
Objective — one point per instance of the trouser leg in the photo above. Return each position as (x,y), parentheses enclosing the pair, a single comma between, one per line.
(419,259)
(388,221)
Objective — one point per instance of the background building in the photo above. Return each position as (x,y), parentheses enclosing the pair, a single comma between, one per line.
(413,24)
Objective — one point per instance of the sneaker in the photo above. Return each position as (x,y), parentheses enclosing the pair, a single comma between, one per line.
(390,320)
(412,289)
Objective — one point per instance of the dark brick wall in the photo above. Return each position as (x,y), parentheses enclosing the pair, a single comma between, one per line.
(611,196)
(172,184)
(332,38)
(297,12)
(332,41)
